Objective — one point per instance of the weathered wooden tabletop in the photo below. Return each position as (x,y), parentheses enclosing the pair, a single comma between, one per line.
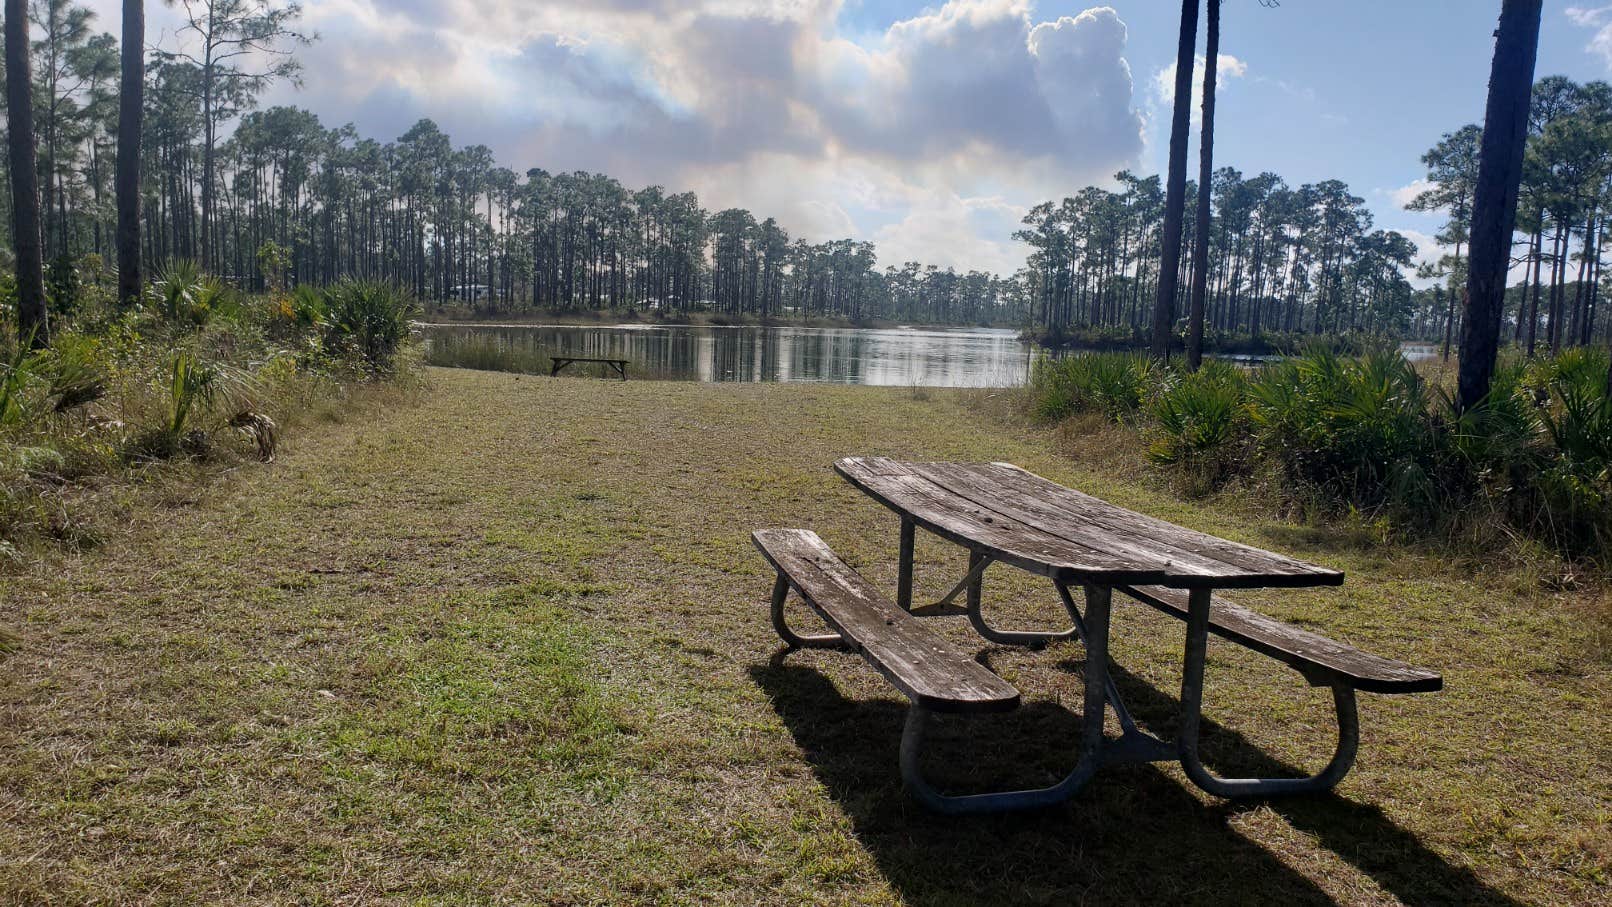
(1022,519)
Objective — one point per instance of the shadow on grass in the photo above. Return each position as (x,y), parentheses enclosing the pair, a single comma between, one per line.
(1134,835)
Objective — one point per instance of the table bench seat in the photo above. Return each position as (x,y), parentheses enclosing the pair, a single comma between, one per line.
(915,659)
(1323,660)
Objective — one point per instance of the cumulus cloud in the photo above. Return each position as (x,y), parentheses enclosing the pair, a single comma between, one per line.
(978,227)
(931,137)
(1227,67)
(1599,19)
(1404,195)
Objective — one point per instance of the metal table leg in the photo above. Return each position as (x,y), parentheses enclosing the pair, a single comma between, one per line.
(1098,603)
(780,591)
(1343,701)
(1034,639)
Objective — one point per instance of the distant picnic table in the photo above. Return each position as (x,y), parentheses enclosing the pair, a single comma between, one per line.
(560,362)
(1003,514)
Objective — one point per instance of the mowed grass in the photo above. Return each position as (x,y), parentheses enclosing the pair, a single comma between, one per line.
(509,644)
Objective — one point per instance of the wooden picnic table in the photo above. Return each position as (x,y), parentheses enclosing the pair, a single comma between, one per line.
(559,362)
(1003,514)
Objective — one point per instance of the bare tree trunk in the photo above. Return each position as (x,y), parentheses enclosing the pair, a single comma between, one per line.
(131,100)
(1449,322)
(1494,212)
(1206,170)
(1533,304)
(1176,189)
(33,321)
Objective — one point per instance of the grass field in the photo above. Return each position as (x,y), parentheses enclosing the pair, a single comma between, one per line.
(509,643)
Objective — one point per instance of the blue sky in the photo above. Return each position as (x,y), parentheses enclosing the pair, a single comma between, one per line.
(1354,91)
(928,128)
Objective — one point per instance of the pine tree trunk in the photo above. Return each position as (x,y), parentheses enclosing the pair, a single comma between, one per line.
(1206,169)
(33,321)
(131,100)
(1494,211)
(1176,188)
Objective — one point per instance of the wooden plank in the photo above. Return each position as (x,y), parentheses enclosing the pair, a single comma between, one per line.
(967,482)
(1295,646)
(998,494)
(916,660)
(979,528)
(1194,558)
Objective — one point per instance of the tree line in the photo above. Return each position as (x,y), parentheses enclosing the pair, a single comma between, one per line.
(1276,258)
(1540,165)
(248,191)
(223,182)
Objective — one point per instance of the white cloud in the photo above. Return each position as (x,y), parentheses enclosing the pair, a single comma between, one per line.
(1600,19)
(1427,250)
(931,138)
(1404,195)
(954,222)
(1227,67)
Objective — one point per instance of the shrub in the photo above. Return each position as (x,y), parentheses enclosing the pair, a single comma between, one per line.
(77,371)
(367,319)
(1576,485)
(62,285)
(1115,384)
(1357,431)
(1200,423)
(183,294)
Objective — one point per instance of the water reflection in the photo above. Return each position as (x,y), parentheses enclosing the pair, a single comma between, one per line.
(964,357)
(957,357)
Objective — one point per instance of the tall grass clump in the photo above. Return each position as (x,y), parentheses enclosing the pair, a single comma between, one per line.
(1115,384)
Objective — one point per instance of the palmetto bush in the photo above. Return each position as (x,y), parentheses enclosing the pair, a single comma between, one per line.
(1358,433)
(193,371)
(18,370)
(1200,424)
(1576,484)
(367,319)
(183,294)
(1368,435)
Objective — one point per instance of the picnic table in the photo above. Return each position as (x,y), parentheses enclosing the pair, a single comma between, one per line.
(559,362)
(1002,514)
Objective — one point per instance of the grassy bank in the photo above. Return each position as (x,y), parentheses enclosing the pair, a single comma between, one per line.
(194,378)
(510,643)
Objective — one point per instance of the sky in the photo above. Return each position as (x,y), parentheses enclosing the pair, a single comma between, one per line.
(928,128)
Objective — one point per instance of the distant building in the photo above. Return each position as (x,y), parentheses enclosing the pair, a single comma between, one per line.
(471,292)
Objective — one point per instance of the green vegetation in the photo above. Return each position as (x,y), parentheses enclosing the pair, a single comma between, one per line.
(1372,438)
(486,352)
(505,644)
(196,372)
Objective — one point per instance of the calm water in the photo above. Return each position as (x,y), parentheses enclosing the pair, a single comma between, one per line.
(963,357)
(958,357)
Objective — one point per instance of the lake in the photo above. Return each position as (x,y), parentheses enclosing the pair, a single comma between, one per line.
(905,357)
(957,357)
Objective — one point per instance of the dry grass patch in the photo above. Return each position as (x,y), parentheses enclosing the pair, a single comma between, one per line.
(509,644)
